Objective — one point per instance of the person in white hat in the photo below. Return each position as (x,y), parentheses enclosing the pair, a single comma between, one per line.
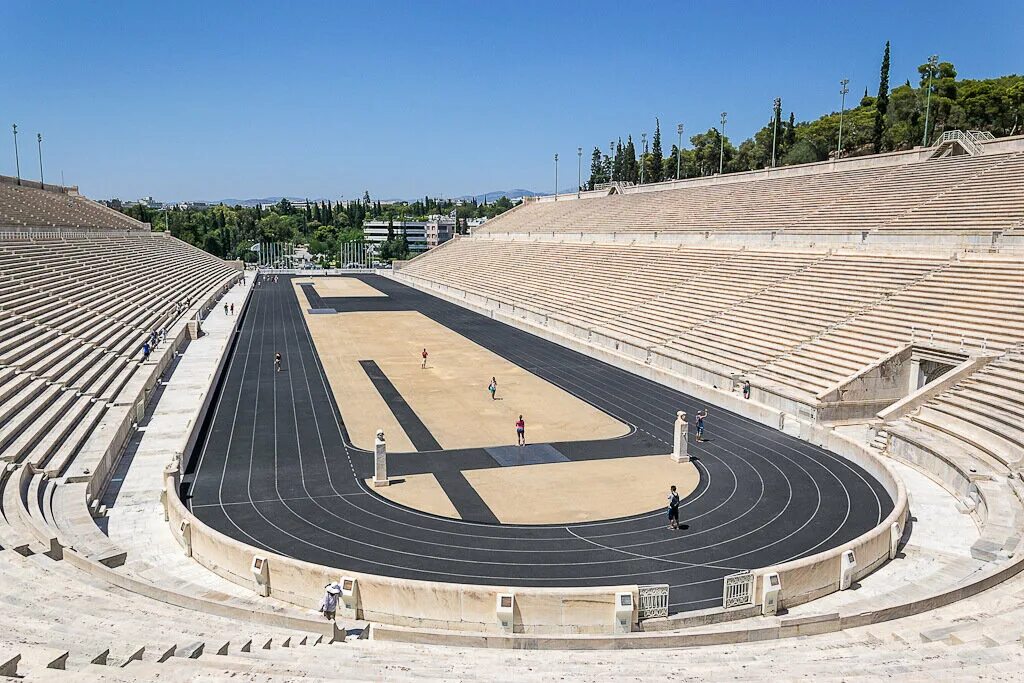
(329,605)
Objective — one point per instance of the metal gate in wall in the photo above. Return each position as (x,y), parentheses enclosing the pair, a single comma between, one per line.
(738,590)
(653,601)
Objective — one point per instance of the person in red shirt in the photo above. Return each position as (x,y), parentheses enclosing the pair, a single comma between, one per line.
(423,365)
(521,431)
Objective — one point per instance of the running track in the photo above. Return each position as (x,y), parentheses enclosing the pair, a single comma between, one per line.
(276,470)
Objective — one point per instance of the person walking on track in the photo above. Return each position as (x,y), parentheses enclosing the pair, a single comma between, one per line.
(673,508)
(493,387)
(277,362)
(520,431)
(700,424)
(424,354)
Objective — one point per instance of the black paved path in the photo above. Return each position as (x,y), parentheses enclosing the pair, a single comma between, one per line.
(276,470)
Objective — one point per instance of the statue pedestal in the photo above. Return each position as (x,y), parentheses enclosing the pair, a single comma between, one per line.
(380,461)
(680,432)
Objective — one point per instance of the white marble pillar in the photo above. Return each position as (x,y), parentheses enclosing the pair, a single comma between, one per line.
(682,429)
(380,460)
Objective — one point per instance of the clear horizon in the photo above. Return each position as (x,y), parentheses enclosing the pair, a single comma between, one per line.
(207,101)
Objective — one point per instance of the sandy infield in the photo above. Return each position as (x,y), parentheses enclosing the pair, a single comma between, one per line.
(450,396)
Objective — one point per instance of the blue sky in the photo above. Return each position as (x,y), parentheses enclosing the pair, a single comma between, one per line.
(211,99)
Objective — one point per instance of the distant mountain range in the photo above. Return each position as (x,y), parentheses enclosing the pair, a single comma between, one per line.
(483,196)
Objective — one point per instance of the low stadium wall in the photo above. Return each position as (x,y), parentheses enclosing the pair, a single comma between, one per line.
(567,610)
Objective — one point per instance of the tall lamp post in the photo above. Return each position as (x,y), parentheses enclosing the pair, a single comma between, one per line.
(556,176)
(643,155)
(17,162)
(776,113)
(933,62)
(579,171)
(679,149)
(39,142)
(721,154)
(842,111)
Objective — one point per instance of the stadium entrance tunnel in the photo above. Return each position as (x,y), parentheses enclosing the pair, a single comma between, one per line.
(902,378)
(277,477)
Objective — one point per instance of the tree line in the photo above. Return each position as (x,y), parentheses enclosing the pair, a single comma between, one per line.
(892,119)
(230,231)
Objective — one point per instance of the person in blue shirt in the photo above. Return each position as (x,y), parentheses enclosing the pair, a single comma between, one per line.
(700,424)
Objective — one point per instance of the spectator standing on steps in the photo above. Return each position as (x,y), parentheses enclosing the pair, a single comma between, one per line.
(673,508)
(746,388)
(145,351)
(700,424)
(329,604)
(277,362)
(232,309)
(225,308)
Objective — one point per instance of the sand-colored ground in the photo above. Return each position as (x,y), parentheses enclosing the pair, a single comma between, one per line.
(450,396)
(420,492)
(589,490)
(342,286)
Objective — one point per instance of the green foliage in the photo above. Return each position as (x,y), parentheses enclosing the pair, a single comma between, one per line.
(881,103)
(892,120)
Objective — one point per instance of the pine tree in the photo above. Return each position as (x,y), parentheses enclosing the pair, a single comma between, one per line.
(881,102)
(657,158)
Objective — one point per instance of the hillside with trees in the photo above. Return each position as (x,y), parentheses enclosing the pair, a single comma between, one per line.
(892,119)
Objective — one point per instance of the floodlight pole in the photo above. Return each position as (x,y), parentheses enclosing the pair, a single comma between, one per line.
(933,61)
(842,111)
(17,161)
(721,154)
(776,113)
(579,171)
(556,176)
(611,161)
(679,149)
(39,142)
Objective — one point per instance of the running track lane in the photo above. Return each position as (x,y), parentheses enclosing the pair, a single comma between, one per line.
(277,471)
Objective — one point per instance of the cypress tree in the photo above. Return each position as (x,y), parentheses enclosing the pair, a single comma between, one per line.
(631,168)
(790,135)
(881,102)
(596,169)
(316,216)
(309,214)
(657,158)
(618,166)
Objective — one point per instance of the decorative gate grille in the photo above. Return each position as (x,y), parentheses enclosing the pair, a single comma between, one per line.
(653,601)
(739,590)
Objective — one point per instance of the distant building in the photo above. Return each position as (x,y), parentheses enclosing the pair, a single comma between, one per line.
(194,206)
(150,203)
(474,223)
(421,235)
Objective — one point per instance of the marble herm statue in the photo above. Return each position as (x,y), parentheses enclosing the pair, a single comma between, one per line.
(380,460)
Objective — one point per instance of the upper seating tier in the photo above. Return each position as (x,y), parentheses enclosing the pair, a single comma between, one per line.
(953,195)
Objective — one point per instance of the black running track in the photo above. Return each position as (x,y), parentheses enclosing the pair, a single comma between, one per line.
(276,470)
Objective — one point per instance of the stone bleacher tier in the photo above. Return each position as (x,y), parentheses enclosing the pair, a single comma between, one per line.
(23,206)
(956,194)
(74,314)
